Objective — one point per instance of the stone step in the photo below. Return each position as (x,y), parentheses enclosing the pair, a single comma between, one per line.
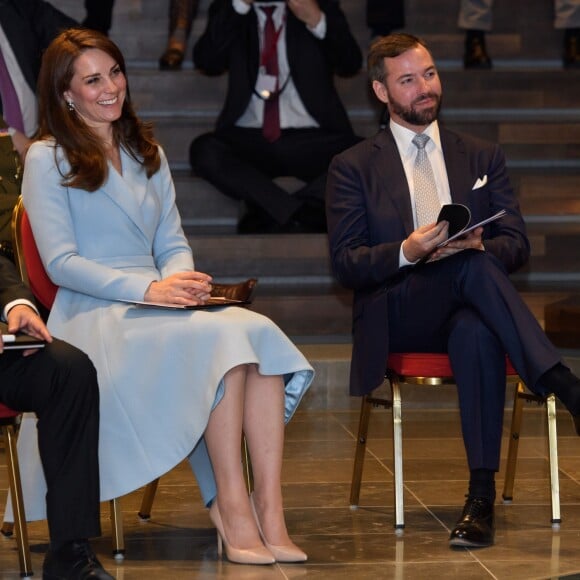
(546,196)
(496,93)
(524,142)
(523,29)
(303,259)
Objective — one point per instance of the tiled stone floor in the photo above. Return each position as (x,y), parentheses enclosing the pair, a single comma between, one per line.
(179,541)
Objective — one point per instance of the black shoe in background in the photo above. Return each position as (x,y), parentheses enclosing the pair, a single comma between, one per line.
(476,56)
(571,58)
(311,217)
(171,59)
(475,528)
(255,221)
(74,561)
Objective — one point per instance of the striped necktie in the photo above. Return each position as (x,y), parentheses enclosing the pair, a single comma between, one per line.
(427,204)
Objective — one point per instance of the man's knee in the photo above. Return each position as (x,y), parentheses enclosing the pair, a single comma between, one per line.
(467,328)
(205,153)
(73,371)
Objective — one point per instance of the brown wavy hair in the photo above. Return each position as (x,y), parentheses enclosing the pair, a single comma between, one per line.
(389,46)
(83,149)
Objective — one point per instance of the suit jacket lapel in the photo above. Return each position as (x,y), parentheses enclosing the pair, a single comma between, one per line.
(392,174)
(457,165)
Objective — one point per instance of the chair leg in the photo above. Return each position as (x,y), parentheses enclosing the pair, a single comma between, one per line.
(14,482)
(398,453)
(247,466)
(359,457)
(147,501)
(510,474)
(553,450)
(117,529)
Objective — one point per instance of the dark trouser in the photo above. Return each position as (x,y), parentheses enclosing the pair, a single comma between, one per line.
(99,15)
(59,384)
(181,15)
(466,305)
(385,16)
(242,164)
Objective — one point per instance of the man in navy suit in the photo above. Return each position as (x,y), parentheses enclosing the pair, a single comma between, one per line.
(59,384)
(312,43)
(411,295)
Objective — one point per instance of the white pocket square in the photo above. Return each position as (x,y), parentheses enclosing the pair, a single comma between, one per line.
(481,181)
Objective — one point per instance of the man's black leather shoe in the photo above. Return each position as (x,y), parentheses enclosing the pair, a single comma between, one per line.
(572,48)
(255,221)
(475,527)
(475,52)
(74,561)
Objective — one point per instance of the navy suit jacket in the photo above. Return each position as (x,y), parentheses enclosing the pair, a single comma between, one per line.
(30,26)
(369,215)
(230,43)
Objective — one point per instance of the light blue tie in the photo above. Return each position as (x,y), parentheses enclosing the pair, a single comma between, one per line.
(427,204)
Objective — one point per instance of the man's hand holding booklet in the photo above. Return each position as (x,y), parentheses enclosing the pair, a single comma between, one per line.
(459,217)
(19,340)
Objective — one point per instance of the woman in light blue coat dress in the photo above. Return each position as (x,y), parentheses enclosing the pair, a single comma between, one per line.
(101,202)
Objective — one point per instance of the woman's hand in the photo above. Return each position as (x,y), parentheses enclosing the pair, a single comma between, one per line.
(184,288)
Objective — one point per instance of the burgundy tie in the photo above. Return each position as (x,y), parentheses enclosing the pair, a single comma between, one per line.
(10,105)
(269,60)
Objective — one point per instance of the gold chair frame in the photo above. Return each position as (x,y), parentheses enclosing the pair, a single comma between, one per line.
(395,404)
(7,430)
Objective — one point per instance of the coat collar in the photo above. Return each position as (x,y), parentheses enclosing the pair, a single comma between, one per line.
(128,191)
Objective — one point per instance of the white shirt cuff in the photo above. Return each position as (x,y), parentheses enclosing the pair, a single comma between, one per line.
(320,29)
(14,303)
(402,260)
(241,7)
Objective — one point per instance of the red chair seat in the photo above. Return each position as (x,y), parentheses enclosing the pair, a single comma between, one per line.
(427,364)
(7,412)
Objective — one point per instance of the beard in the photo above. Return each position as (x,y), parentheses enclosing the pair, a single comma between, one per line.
(411,115)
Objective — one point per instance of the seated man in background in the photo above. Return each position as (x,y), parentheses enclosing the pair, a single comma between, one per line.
(475,17)
(282,115)
(59,384)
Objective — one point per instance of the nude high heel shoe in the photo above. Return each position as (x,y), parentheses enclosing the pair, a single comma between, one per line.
(285,554)
(257,555)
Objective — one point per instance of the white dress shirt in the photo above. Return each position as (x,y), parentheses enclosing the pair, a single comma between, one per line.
(26,97)
(14,303)
(293,113)
(408,152)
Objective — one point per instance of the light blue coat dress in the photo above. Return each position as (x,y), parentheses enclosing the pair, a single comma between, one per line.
(160,372)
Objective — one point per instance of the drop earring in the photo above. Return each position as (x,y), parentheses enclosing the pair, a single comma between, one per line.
(71,105)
